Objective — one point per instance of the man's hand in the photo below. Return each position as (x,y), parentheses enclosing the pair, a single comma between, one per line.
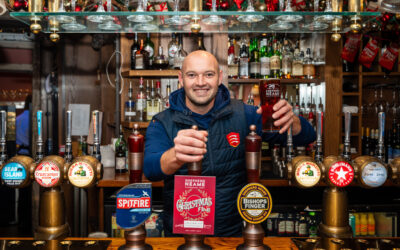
(284,117)
(189,146)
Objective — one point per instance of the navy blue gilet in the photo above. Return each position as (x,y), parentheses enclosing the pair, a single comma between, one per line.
(222,160)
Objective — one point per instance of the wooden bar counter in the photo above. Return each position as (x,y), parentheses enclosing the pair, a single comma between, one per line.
(175,242)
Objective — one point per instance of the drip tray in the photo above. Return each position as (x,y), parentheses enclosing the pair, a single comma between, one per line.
(55,245)
(354,244)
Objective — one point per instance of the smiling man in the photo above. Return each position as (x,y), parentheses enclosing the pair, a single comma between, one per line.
(205,102)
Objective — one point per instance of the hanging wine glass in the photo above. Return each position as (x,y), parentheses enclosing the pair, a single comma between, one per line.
(177,20)
(142,4)
(288,17)
(250,18)
(73,25)
(281,26)
(100,18)
(64,18)
(214,19)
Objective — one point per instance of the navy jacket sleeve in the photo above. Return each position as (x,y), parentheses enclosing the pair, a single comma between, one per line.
(306,135)
(156,143)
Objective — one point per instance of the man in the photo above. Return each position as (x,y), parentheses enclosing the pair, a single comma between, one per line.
(204,101)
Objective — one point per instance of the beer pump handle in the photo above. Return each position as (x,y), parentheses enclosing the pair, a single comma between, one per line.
(68,141)
(347,125)
(381,125)
(253,155)
(39,143)
(3,131)
(96,128)
(289,145)
(319,153)
(194,168)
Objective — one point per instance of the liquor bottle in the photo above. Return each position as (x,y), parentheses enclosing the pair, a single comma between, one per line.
(254,59)
(120,153)
(303,108)
(141,58)
(275,62)
(233,67)
(371,224)
(308,66)
(289,225)
(136,148)
(135,47)
(281,225)
(312,225)
(244,62)
(166,98)
(250,99)
(147,89)
(130,112)
(297,64)
(287,60)
(160,61)
(200,42)
(159,98)
(180,55)
(303,225)
(296,224)
(141,103)
(265,70)
(152,104)
(149,47)
(389,146)
(173,47)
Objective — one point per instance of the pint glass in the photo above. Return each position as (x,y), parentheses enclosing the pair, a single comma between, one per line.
(270,91)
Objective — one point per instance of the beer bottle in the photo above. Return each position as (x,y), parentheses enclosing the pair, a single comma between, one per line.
(371,224)
(281,225)
(363,224)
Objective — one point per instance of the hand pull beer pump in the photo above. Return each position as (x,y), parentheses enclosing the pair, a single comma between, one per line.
(194,241)
(304,171)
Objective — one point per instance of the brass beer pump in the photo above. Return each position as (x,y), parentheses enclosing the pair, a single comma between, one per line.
(194,241)
(253,234)
(304,171)
(335,214)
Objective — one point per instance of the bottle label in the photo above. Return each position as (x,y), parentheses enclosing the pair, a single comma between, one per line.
(297,69)
(172,51)
(275,62)
(152,109)
(233,70)
(265,67)
(140,104)
(47,174)
(255,67)
(308,174)
(374,174)
(139,61)
(289,227)
(303,229)
(286,66)
(282,227)
(308,70)
(80,174)
(270,225)
(13,174)
(120,163)
(130,113)
(244,67)
(149,49)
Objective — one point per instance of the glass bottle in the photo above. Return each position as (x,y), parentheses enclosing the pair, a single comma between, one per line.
(130,112)
(254,59)
(244,62)
(281,225)
(200,42)
(308,66)
(289,225)
(173,47)
(149,47)
(303,225)
(287,59)
(233,68)
(166,98)
(160,62)
(312,225)
(141,58)
(180,55)
(275,61)
(159,98)
(141,103)
(297,64)
(120,153)
(135,47)
(152,104)
(265,70)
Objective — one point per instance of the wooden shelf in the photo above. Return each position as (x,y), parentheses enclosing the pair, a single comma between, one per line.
(151,73)
(350,73)
(130,124)
(380,74)
(350,94)
(284,81)
(266,158)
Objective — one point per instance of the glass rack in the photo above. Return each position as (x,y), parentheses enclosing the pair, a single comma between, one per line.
(159,24)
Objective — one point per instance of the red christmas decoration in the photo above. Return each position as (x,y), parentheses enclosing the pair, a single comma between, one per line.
(78,8)
(271,5)
(18,4)
(209,4)
(238,3)
(224,5)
